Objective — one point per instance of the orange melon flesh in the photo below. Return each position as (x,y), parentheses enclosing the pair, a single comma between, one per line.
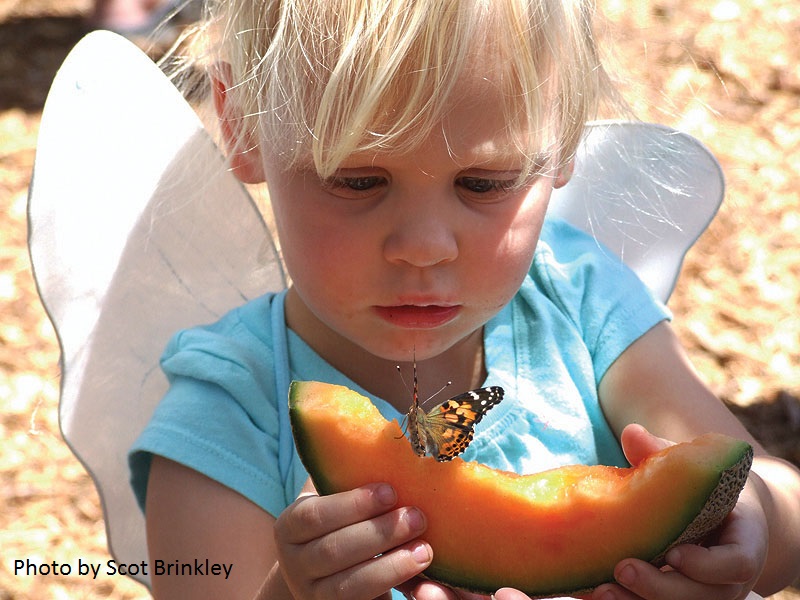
(550,533)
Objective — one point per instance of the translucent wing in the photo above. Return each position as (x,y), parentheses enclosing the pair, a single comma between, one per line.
(646,192)
(136,230)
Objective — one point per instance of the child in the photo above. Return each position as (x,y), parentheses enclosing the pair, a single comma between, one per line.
(410,149)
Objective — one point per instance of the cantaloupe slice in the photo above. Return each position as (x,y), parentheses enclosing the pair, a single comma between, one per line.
(548,534)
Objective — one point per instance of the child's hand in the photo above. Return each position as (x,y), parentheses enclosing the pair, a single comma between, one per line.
(428,590)
(352,545)
(725,570)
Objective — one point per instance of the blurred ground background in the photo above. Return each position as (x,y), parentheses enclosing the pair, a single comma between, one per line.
(726,71)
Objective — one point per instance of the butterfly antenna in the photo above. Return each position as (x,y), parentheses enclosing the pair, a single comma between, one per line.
(415,390)
(441,389)
(404,424)
(403,379)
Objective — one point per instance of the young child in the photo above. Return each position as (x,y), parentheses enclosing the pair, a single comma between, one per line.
(410,149)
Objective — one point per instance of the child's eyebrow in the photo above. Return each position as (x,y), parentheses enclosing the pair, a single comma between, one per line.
(503,160)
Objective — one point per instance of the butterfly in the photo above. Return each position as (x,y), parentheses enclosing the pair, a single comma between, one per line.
(447,430)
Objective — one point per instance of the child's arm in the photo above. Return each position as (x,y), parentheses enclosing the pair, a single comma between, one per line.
(653,384)
(322,541)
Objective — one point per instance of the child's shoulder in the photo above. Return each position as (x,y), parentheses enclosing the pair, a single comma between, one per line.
(584,278)
(569,256)
(563,242)
(240,336)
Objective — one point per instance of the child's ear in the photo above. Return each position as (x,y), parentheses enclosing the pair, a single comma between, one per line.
(242,146)
(564,174)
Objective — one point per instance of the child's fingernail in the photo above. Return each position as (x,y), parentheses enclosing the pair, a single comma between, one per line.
(385,494)
(415,519)
(421,553)
(626,575)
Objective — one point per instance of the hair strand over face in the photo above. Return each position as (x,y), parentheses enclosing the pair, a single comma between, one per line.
(319,81)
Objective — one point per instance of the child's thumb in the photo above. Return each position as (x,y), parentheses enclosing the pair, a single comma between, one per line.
(638,443)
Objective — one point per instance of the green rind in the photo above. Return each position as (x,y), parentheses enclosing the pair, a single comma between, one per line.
(719,503)
(301,441)
(720,498)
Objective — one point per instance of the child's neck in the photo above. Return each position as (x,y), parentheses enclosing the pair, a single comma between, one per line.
(462,365)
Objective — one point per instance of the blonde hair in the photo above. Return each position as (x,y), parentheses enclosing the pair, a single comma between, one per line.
(327,78)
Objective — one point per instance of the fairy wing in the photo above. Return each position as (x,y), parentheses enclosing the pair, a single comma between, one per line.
(136,230)
(646,191)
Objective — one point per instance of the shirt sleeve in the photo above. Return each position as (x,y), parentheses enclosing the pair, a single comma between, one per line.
(219,416)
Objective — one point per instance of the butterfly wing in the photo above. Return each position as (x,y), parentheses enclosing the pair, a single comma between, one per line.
(447,430)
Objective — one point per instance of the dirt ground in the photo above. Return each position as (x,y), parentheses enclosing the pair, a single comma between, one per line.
(726,71)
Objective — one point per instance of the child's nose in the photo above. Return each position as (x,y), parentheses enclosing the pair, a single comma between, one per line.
(423,238)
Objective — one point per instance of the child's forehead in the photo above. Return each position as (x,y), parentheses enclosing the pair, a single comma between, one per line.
(476,130)
(473,132)
(457,144)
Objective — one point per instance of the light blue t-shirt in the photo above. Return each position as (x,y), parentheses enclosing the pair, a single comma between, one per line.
(575,313)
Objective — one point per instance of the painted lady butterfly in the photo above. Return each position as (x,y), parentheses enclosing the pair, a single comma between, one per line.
(446,431)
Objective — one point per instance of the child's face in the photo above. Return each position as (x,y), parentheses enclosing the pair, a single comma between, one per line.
(414,251)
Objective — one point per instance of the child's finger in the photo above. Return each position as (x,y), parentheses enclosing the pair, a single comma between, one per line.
(646,581)
(717,564)
(638,443)
(610,591)
(423,589)
(420,588)
(373,577)
(736,557)
(509,594)
(354,544)
(311,517)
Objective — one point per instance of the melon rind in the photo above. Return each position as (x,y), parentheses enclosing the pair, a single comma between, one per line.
(719,504)
(342,440)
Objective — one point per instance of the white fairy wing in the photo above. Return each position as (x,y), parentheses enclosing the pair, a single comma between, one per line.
(136,230)
(647,192)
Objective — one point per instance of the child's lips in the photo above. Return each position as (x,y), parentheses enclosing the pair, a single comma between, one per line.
(418,316)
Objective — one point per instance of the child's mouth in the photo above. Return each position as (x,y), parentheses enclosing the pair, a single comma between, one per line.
(414,316)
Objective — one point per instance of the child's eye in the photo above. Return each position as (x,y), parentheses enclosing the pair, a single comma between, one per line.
(486,186)
(354,186)
(360,184)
